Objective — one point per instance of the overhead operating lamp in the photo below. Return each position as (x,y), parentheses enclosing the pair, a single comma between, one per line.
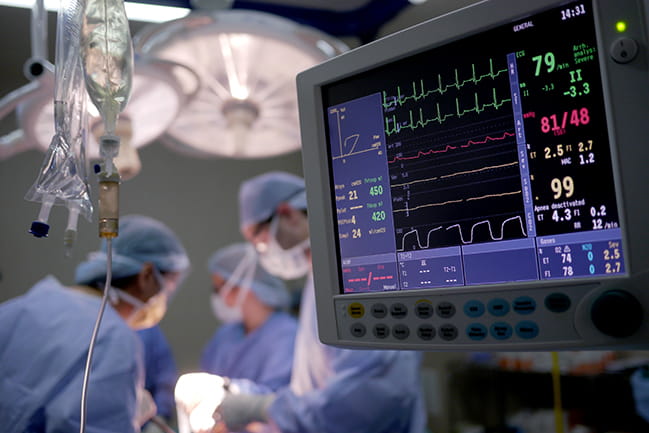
(247,62)
(40,73)
(155,100)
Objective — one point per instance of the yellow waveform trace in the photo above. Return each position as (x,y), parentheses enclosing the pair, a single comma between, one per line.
(458,201)
(477,170)
(430,205)
(494,195)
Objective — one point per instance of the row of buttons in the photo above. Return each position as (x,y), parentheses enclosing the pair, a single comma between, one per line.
(555,302)
(499,307)
(476,331)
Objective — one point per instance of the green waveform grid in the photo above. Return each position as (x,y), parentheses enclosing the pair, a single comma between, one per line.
(441,118)
(441,88)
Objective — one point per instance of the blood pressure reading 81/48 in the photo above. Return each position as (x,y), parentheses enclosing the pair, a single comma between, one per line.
(491,166)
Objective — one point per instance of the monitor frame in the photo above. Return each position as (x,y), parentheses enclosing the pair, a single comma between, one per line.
(625,86)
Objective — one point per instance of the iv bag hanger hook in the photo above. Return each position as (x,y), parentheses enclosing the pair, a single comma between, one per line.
(37,64)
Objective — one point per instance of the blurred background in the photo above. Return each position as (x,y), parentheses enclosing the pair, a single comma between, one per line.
(194,191)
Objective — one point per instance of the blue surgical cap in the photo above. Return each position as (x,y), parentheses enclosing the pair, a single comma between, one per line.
(260,196)
(269,289)
(141,239)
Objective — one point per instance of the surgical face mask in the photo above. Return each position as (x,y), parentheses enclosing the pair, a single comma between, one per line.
(144,314)
(225,313)
(242,276)
(290,263)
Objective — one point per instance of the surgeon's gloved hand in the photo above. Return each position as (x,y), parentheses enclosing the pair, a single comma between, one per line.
(192,389)
(238,410)
(197,397)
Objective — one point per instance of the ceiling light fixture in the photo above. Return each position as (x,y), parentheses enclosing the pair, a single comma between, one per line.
(247,62)
(155,100)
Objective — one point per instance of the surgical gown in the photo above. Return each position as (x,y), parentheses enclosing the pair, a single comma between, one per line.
(263,358)
(44,338)
(160,369)
(337,390)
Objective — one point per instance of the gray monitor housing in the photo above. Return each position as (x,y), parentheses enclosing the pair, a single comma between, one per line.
(480,182)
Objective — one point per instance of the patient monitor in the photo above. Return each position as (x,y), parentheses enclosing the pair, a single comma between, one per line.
(481,181)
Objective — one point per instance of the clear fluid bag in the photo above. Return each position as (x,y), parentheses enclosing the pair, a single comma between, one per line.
(107,52)
(63,176)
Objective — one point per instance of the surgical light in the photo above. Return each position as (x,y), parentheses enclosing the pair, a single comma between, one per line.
(247,63)
(155,101)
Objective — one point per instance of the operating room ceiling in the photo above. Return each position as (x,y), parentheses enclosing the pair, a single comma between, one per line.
(354,21)
(360,18)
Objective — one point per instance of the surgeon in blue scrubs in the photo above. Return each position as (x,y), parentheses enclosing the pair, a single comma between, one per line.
(254,345)
(45,333)
(332,390)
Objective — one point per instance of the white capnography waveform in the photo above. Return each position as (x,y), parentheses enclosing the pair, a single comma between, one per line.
(465,242)
(416,232)
(491,234)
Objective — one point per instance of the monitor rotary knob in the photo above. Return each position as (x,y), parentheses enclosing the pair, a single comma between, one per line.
(617,313)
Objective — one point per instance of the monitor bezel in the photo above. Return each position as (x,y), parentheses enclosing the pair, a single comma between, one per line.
(623,127)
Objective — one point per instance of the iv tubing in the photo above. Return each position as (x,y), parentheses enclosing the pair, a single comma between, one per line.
(46,207)
(73,218)
(556,389)
(104,299)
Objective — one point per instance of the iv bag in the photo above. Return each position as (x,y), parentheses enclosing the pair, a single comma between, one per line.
(63,175)
(107,51)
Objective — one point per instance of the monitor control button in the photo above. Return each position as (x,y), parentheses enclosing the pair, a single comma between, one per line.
(617,313)
(501,330)
(379,310)
(426,332)
(527,330)
(356,310)
(524,305)
(446,310)
(498,307)
(476,331)
(398,311)
(401,332)
(448,332)
(474,309)
(557,302)
(358,330)
(424,309)
(624,50)
(381,331)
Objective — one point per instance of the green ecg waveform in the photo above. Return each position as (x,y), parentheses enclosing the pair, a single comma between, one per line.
(422,92)
(393,127)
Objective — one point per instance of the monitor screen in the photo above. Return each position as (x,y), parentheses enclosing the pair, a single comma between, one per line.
(481,161)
